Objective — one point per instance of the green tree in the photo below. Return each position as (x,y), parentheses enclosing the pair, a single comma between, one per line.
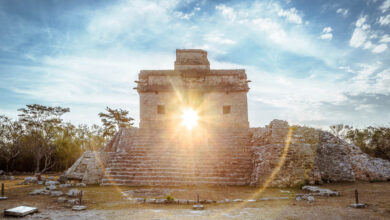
(340,130)
(113,120)
(11,134)
(42,124)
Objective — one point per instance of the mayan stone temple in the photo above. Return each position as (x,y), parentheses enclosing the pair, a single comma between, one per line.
(194,130)
(163,150)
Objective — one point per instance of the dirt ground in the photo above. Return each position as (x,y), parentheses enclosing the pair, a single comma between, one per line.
(118,203)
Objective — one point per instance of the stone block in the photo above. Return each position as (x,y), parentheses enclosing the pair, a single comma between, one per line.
(79,208)
(198,207)
(81,185)
(73,201)
(61,199)
(20,211)
(358,205)
(56,193)
(51,182)
(30,179)
(73,193)
(42,191)
(51,187)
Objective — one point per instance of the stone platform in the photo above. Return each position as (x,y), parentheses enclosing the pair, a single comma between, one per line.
(151,157)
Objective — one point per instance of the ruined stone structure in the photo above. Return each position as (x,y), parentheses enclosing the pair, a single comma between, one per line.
(301,155)
(219,95)
(161,151)
(222,149)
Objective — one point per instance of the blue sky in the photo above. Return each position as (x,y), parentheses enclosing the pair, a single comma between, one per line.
(311,62)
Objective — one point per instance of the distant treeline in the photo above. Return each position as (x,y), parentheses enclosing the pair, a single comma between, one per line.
(374,141)
(39,140)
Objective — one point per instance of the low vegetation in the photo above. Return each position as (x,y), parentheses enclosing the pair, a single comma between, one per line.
(374,141)
(41,141)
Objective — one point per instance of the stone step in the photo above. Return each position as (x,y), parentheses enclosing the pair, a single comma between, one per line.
(173,178)
(184,165)
(176,162)
(114,182)
(176,157)
(200,164)
(159,151)
(181,170)
(177,174)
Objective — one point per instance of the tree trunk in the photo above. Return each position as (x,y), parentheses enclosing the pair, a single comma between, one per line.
(38,163)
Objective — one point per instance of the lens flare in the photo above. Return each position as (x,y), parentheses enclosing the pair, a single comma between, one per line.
(189,118)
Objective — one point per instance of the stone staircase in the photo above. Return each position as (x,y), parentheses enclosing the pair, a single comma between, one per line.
(142,157)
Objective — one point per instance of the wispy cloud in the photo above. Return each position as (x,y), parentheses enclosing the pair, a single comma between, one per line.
(326,33)
(304,66)
(343,11)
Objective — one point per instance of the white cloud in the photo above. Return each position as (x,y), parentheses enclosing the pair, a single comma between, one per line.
(365,107)
(342,11)
(368,45)
(327,33)
(327,30)
(274,30)
(358,38)
(226,11)
(361,21)
(218,38)
(368,79)
(291,15)
(384,20)
(379,48)
(385,6)
(385,39)
(182,15)
(382,82)
(327,36)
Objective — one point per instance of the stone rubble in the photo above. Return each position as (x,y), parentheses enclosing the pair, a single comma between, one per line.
(61,199)
(30,179)
(56,193)
(51,187)
(315,190)
(308,198)
(51,182)
(79,208)
(73,193)
(73,201)
(42,191)
(310,156)
(4,177)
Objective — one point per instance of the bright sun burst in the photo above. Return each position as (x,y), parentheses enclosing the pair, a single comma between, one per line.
(189,118)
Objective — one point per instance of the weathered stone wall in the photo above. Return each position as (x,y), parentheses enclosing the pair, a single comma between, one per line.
(148,108)
(89,168)
(279,164)
(192,75)
(238,116)
(292,155)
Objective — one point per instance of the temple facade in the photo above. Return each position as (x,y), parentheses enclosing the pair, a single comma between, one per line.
(219,96)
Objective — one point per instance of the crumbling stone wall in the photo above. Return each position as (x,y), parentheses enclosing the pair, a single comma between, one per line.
(279,164)
(288,156)
(89,168)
